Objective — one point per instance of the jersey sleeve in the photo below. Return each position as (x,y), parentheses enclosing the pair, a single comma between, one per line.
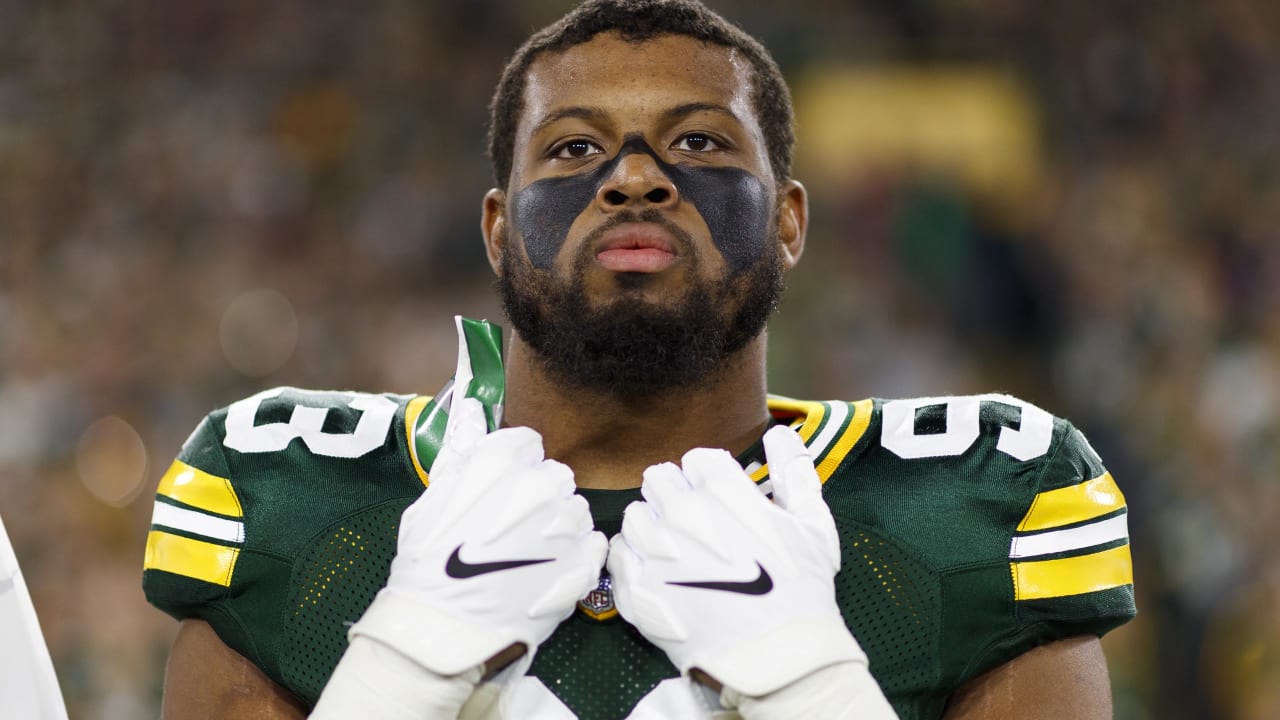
(1069,556)
(197,528)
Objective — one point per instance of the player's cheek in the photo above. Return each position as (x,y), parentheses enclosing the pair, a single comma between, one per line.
(736,206)
(544,210)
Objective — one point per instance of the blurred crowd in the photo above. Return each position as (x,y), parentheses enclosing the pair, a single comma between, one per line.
(200,200)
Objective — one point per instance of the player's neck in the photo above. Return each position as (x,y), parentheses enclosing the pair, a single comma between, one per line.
(609,441)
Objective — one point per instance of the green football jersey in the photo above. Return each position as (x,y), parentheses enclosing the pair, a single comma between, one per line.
(972,529)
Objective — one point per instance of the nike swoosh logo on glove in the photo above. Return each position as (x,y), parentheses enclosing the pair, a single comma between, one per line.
(458,569)
(761,585)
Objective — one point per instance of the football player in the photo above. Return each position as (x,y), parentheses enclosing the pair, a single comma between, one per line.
(616,519)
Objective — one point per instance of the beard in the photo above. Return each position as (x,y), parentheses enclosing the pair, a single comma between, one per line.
(629,347)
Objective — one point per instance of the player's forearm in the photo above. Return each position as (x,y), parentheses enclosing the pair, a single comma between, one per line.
(837,692)
(375,680)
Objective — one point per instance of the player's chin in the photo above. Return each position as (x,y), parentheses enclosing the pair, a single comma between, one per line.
(664,287)
(629,303)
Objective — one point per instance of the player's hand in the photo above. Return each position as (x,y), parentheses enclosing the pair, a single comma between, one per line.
(725,581)
(497,551)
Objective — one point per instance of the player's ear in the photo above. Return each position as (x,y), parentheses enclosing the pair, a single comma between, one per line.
(793,221)
(493,226)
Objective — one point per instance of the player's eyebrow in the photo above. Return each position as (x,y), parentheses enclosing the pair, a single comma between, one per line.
(681,111)
(574,111)
(597,114)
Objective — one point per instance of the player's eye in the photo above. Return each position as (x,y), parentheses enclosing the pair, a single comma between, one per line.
(575,149)
(696,142)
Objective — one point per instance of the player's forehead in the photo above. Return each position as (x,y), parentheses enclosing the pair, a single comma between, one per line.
(635,82)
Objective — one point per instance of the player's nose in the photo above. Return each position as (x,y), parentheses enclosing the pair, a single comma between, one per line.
(636,182)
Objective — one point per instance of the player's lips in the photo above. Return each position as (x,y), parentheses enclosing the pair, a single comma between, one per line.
(636,247)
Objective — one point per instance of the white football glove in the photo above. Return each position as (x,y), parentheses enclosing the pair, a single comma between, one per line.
(497,551)
(727,582)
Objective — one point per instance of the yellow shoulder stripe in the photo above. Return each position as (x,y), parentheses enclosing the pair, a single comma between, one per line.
(857,426)
(197,559)
(411,413)
(1077,503)
(1103,570)
(197,488)
(814,413)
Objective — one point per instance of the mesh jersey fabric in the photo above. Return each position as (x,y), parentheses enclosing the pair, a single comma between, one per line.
(277,526)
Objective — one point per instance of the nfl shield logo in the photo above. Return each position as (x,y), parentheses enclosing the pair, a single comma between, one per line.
(598,604)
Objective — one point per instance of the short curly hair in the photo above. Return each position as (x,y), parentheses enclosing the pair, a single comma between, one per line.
(638,20)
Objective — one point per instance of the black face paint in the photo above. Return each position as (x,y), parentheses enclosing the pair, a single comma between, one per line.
(733,202)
